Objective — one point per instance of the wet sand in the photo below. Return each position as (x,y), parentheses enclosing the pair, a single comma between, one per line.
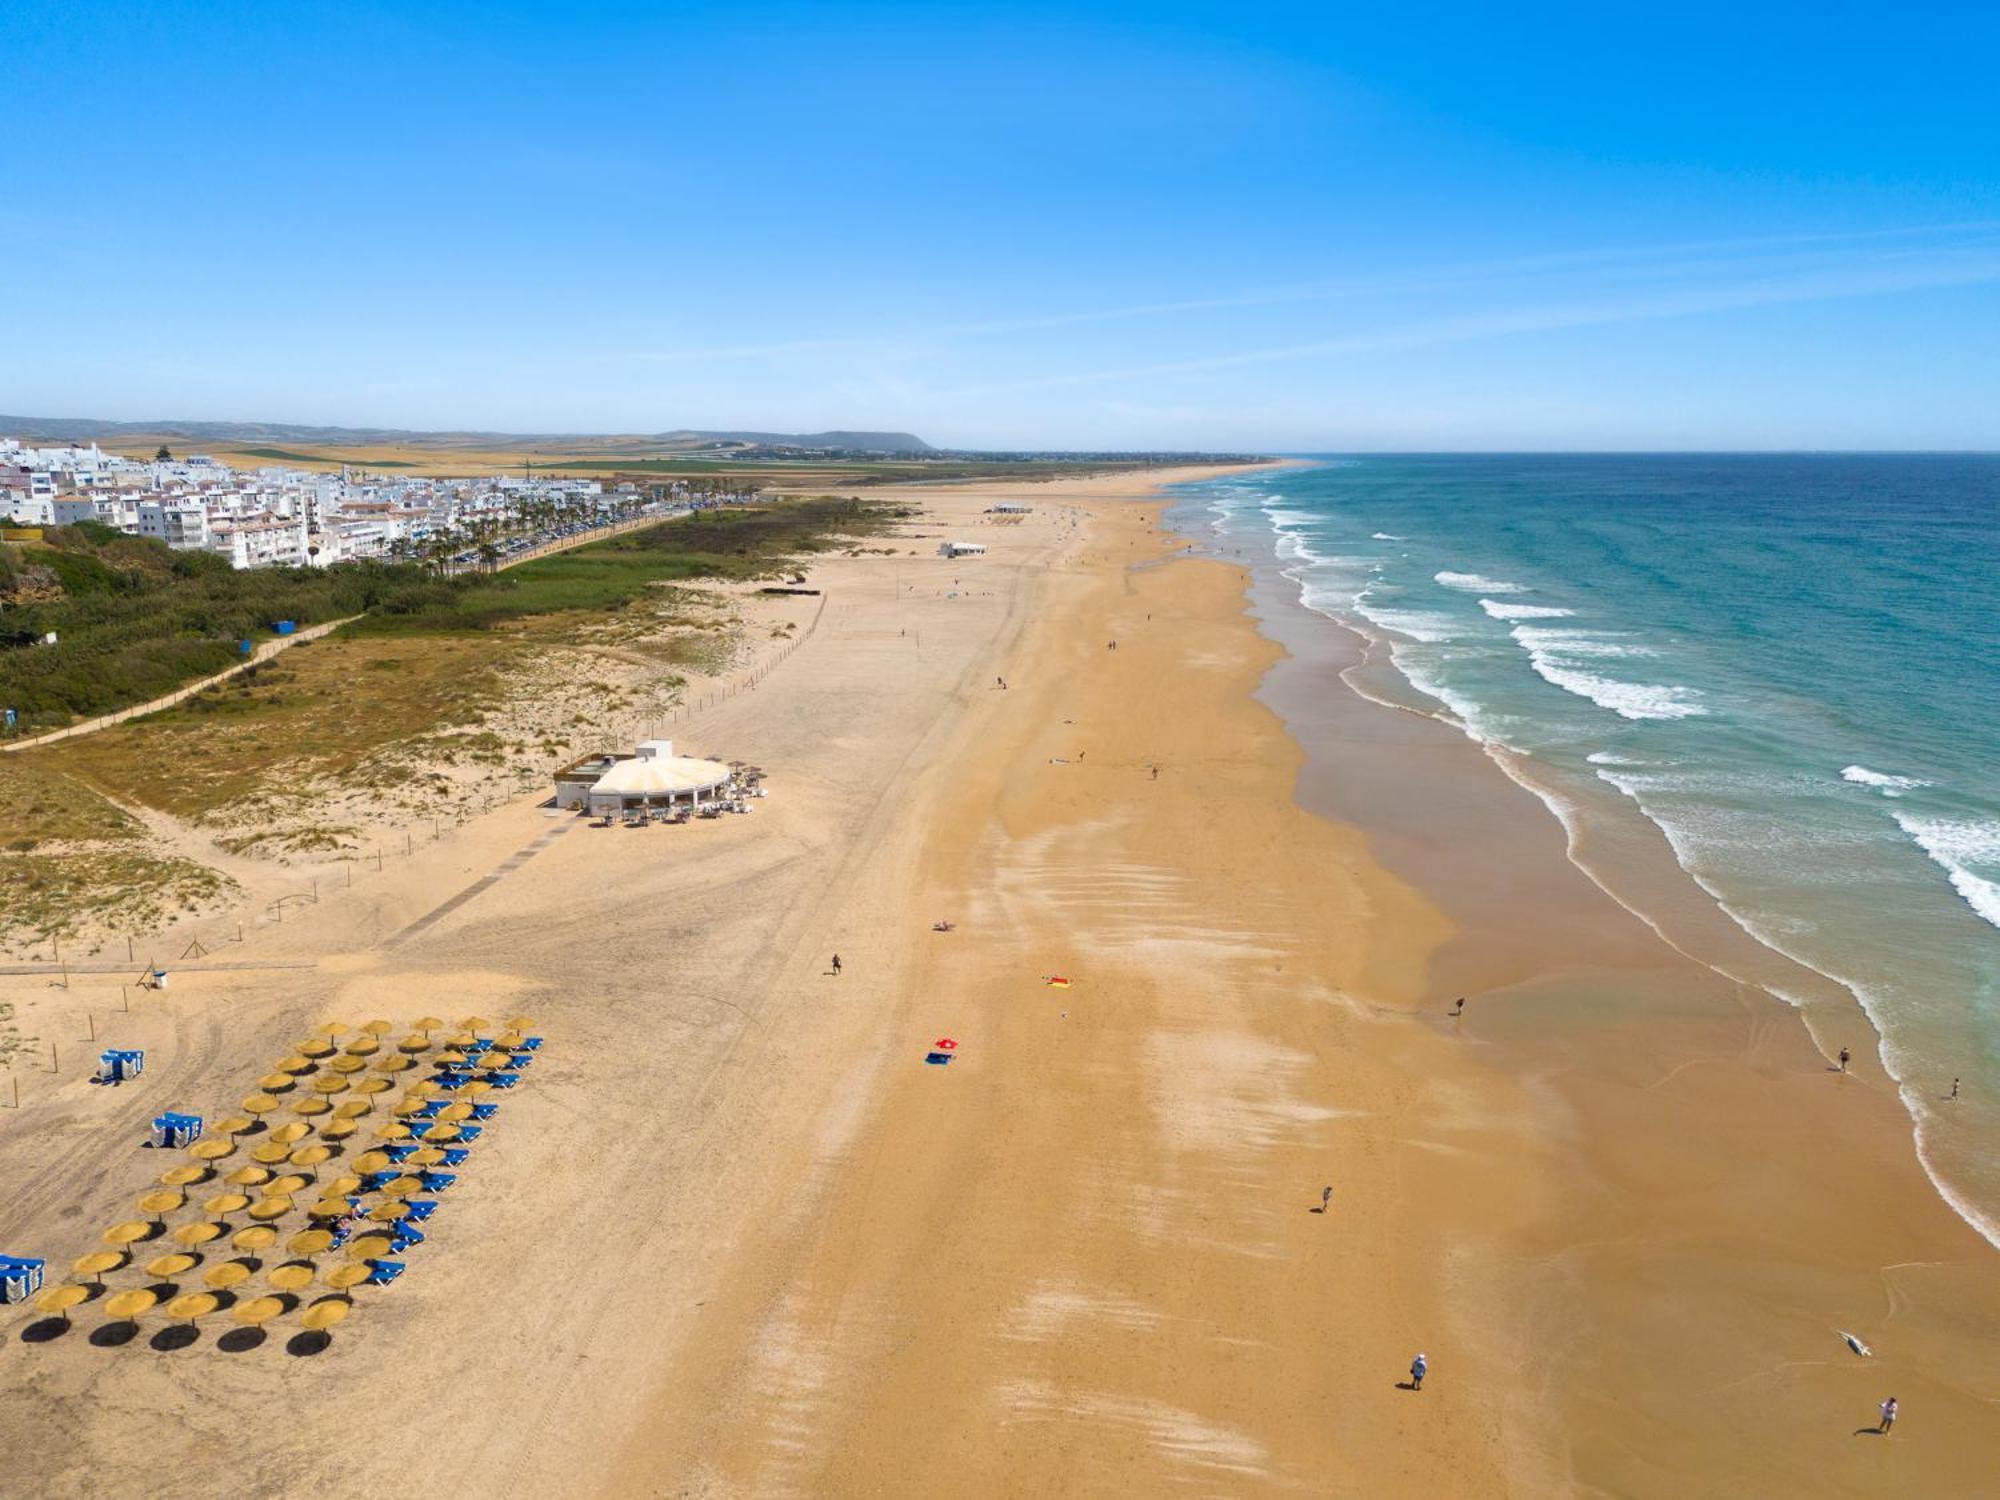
(1720,1202)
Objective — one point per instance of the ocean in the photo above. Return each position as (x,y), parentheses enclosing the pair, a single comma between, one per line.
(1787,665)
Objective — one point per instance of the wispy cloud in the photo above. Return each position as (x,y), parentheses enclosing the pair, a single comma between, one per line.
(1670,261)
(1895,274)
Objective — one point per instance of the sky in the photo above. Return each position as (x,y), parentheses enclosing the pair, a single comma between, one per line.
(1333,227)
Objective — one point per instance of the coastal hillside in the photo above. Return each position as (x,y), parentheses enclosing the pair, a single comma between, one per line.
(87,429)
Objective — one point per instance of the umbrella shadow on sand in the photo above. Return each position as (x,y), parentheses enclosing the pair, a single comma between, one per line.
(240,1340)
(115,1335)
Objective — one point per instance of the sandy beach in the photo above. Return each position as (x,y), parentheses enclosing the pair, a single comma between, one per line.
(736,1236)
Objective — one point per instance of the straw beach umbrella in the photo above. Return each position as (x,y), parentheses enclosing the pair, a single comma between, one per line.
(224,1204)
(129,1233)
(322,1316)
(291,1132)
(331,1029)
(521,1023)
(248,1176)
(259,1311)
(211,1150)
(191,1306)
(379,1028)
(310,1156)
(349,1064)
(270,1153)
(344,1278)
(230,1273)
(190,1235)
(427,1023)
(369,1086)
(160,1204)
(284,1187)
(124,1306)
(337,1130)
(256,1237)
(310,1242)
(271,1208)
(60,1299)
(295,1276)
(170,1265)
(313,1106)
(276,1083)
(368,1247)
(95,1264)
(233,1124)
(259,1104)
(175,1177)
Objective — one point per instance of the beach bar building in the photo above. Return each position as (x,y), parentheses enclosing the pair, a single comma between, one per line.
(961,549)
(653,777)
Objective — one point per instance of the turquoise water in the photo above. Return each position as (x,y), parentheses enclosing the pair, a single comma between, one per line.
(1789,665)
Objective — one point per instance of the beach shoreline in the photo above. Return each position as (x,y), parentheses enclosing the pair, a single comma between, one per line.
(1683,1111)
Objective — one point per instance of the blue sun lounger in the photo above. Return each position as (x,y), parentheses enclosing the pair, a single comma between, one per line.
(382,1272)
(436,1182)
(420,1210)
(455,1155)
(20,1277)
(504,1080)
(485,1111)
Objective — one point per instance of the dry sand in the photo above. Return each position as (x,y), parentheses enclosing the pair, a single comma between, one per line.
(735,1237)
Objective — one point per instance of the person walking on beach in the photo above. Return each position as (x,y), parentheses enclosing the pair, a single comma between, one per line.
(1844,1055)
(1888,1416)
(1419,1367)
(836,964)
(1458,1006)
(1325,1197)
(1954,1088)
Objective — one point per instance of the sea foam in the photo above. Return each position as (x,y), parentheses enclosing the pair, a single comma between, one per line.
(1887,785)
(1955,847)
(1501,611)
(1554,654)
(1472,583)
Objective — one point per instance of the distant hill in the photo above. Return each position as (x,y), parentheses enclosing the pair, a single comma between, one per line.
(83,429)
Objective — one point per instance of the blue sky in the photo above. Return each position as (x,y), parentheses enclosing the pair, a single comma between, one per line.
(1313,228)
